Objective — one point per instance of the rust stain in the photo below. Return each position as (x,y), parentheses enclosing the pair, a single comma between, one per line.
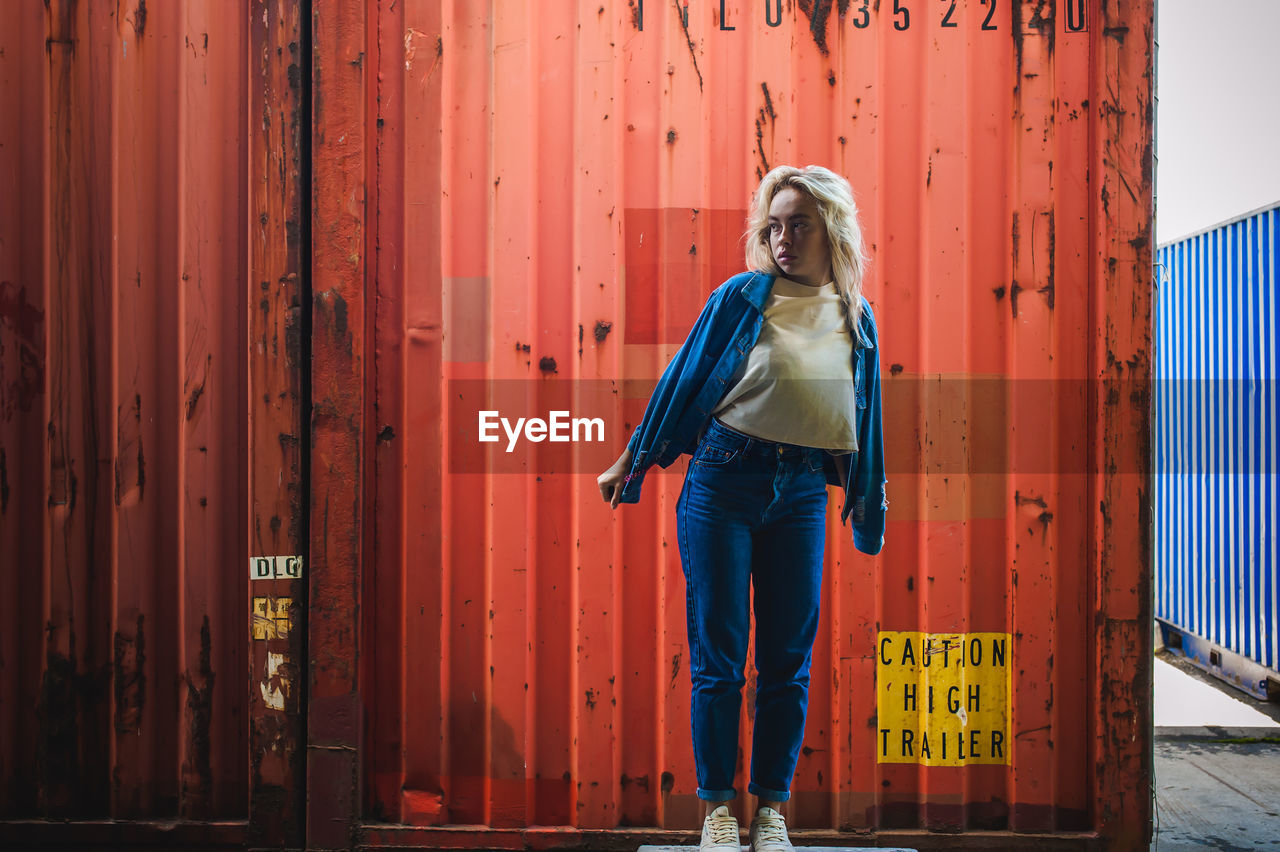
(1047,289)
(18,313)
(683,14)
(193,399)
(1015,243)
(765,114)
(602,330)
(547,364)
(140,18)
(197,774)
(641,781)
(58,738)
(817,11)
(768,102)
(129,442)
(130,678)
(25,323)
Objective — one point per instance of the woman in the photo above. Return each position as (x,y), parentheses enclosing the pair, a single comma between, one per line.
(776,393)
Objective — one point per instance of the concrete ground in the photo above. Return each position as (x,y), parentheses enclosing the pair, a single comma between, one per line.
(1217,763)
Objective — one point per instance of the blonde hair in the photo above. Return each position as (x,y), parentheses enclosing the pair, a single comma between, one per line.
(839,213)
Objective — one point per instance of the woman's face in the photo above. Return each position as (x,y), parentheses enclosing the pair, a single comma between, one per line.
(798,238)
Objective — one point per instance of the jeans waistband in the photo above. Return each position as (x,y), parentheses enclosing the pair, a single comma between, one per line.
(751,445)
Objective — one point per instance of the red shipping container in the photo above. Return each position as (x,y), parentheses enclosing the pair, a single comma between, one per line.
(521,207)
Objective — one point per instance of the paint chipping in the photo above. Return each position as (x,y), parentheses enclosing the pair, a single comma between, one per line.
(413,39)
(275,682)
(602,330)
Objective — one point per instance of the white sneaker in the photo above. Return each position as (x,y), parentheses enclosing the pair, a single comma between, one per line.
(720,832)
(769,832)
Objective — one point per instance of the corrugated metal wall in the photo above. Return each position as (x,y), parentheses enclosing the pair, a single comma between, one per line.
(1215,437)
(123,382)
(131,476)
(552,190)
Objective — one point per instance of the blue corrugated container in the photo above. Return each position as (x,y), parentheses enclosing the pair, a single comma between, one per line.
(1215,444)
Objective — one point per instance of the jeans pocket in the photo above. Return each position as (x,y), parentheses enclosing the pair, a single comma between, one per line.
(714,454)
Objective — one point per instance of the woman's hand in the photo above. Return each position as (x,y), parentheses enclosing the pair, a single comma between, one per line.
(612,480)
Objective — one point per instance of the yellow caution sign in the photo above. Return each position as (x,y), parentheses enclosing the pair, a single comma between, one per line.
(942,699)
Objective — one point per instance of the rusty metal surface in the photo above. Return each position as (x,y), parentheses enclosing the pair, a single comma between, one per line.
(276,503)
(549,193)
(128,289)
(338,439)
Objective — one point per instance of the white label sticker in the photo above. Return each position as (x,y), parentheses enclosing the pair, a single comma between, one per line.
(275,567)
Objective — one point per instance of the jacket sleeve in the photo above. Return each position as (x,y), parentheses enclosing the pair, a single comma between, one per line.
(670,397)
(870,502)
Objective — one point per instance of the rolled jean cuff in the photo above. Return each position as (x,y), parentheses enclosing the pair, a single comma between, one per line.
(765,794)
(717,795)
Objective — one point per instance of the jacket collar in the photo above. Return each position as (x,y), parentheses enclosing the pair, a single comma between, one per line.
(757,289)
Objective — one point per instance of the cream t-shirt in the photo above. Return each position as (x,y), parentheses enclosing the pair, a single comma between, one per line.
(798,383)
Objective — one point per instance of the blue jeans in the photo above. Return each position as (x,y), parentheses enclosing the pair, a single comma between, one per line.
(751,512)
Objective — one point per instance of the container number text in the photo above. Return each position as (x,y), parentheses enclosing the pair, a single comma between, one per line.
(1073,12)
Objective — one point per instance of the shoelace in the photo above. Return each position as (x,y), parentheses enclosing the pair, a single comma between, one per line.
(771,830)
(724,830)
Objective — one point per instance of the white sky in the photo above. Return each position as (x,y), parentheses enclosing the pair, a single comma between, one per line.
(1218,111)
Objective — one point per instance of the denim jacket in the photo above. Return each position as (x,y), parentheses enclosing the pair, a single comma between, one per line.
(704,369)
